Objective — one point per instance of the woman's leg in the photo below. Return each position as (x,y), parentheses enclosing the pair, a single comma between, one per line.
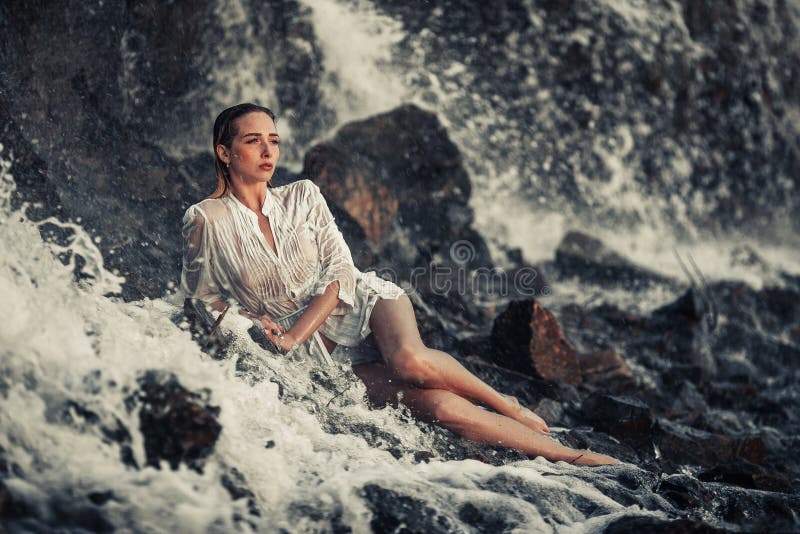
(397,336)
(464,418)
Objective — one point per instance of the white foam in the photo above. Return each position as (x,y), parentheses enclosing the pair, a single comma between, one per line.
(359,80)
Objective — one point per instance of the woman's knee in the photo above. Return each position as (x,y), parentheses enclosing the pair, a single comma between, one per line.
(446,408)
(412,364)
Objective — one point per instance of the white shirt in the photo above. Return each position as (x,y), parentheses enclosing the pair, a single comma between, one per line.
(226,255)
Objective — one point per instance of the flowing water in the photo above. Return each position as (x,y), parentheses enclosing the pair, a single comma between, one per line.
(313,455)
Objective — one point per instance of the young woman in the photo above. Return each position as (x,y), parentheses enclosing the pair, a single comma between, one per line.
(278,253)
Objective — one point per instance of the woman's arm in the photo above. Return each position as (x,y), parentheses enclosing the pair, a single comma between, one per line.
(318,310)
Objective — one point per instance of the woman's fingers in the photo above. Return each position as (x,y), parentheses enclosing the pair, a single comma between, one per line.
(272,327)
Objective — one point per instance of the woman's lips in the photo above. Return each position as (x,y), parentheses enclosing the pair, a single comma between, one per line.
(266,166)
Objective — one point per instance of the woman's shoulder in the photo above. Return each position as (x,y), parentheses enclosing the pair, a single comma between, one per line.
(210,209)
(303,190)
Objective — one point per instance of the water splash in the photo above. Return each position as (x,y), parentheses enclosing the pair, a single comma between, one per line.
(307,446)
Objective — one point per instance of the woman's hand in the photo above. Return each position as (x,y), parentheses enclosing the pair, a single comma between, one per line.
(278,335)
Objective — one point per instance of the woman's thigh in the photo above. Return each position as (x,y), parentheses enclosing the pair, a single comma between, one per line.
(383,386)
(394,325)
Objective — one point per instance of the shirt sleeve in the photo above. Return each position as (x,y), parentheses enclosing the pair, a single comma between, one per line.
(336,262)
(197,279)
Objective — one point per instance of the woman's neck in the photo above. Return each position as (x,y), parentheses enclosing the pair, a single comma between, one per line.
(251,195)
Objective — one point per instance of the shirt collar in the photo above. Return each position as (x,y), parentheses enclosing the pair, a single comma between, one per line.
(266,208)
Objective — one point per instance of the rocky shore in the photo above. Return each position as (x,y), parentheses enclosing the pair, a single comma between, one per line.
(700,394)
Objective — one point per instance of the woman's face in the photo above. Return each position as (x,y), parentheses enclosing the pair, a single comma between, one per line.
(255,149)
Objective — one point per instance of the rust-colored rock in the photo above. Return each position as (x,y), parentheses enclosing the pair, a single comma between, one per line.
(553,357)
(529,339)
(372,205)
(606,370)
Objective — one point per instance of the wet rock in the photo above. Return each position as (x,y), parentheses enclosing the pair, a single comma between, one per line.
(484,519)
(746,475)
(589,259)
(101,497)
(681,444)
(7,504)
(235,483)
(685,328)
(550,410)
(752,510)
(765,355)
(395,512)
(178,425)
(625,418)
(685,492)
(411,205)
(660,526)
(528,338)
(607,371)
(745,508)
(688,401)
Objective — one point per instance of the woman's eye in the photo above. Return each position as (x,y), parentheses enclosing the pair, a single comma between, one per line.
(276,143)
(251,141)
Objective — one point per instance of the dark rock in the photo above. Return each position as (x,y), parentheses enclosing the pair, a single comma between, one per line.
(100,497)
(485,519)
(410,204)
(7,504)
(746,475)
(748,509)
(625,418)
(550,410)
(764,354)
(178,425)
(681,444)
(660,526)
(235,483)
(395,512)
(685,492)
(583,256)
(688,401)
(607,371)
(752,510)
(685,331)
(528,338)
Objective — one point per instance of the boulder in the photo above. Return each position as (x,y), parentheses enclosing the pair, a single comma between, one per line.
(685,492)
(626,418)
(178,425)
(680,444)
(607,371)
(685,326)
(401,179)
(528,338)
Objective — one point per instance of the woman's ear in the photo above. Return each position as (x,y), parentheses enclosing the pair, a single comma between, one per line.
(222,153)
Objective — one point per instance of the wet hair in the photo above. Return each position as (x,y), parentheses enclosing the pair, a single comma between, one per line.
(224,132)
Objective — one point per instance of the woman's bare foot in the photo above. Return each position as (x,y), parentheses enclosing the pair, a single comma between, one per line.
(524,415)
(587,457)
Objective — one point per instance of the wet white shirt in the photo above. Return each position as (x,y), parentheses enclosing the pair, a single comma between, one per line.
(227,256)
